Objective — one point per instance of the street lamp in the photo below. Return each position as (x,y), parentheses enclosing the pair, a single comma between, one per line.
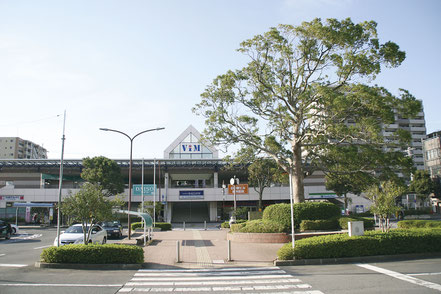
(234,181)
(130,166)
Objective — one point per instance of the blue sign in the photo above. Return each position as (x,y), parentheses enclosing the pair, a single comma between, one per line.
(195,194)
(148,190)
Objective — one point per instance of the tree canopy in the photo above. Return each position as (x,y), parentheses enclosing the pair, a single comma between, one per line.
(306,90)
(103,172)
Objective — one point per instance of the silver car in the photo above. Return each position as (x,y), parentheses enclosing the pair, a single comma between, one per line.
(74,235)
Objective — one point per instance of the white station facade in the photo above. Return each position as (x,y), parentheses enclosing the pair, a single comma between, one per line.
(191,182)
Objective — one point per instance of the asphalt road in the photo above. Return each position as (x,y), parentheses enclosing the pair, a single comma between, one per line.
(18,274)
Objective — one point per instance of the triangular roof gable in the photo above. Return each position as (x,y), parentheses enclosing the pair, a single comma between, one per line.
(181,138)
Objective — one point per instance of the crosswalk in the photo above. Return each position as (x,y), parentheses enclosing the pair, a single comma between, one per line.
(221,280)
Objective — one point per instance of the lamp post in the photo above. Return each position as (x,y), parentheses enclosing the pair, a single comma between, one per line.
(130,166)
(234,181)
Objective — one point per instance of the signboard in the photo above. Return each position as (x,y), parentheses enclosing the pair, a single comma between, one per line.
(241,189)
(148,190)
(322,195)
(12,198)
(190,148)
(194,194)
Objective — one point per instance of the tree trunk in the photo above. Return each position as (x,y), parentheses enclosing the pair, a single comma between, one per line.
(298,189)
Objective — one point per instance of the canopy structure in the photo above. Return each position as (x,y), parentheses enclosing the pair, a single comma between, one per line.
(145,216)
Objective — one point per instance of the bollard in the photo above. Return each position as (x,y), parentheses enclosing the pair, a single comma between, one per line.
(205,225)
(229,251)
(178,258)
(184,226)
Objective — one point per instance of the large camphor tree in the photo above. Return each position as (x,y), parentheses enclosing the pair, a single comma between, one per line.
(305,91)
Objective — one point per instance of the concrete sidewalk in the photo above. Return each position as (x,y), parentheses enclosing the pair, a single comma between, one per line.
(201,248)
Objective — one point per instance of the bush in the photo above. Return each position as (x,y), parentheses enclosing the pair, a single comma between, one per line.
(235,228)
(260,226)
(417,212)
(372,243)
(93,254)
(416,224)
(368,223)
(226,224)
(281,213)
(324,224)
(162,226)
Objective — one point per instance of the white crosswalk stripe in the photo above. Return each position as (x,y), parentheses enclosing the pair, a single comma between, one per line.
(259,280)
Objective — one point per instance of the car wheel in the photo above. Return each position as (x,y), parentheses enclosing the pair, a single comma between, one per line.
(8,236)
(104,240)
(14,231)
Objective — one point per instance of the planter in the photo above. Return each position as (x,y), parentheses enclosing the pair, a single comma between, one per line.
(259,237)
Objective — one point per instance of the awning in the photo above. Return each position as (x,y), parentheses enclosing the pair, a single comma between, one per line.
(147,218)
(21,204)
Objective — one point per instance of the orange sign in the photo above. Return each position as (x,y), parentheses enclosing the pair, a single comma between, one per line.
(240,189)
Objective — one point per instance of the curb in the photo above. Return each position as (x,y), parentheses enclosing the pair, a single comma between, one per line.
(359,259)
(80,266)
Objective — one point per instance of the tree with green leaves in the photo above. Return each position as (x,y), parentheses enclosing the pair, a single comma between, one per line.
(421,184)
(383,199)
(89,206)
(148,207)
(103,172)
(307,89)
(263,172)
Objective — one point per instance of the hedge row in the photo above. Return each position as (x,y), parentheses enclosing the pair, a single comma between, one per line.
(162,226)
(372,243)
(415,224)
(93,254)
(281,213)
(226,224)
(257,226)
(368,223)
(321,224)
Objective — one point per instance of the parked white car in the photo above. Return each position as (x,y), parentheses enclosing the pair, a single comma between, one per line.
(74,235)
(15,229)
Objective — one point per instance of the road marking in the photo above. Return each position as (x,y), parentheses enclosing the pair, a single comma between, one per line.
(263,280)
(425,274)
(401,276)
(57,285)
(43,247)
(12,265)
(2,254)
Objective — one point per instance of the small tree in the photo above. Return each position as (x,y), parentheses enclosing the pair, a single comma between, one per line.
(103,172)
(148,207)
(383,201)
(89,206)
(422,185)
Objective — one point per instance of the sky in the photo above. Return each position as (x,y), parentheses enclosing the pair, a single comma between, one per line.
(139,64)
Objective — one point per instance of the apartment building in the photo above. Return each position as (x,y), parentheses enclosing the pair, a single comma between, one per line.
(432,153)
(17,148)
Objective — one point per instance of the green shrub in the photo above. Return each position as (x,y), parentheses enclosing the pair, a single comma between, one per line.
(368,223)
(93,254)
(372,243)
(281,213)
(415,224)
(226,224)
(363,214)
(235,228)
(417,212)
(321,224)
(162,226)
(261,226)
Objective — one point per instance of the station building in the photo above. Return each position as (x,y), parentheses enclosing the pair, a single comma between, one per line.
(191,182)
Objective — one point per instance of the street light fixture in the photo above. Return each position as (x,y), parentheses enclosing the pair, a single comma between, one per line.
(130,166)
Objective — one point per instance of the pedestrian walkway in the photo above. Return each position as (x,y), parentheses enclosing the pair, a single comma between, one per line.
(199,248)
(222,280)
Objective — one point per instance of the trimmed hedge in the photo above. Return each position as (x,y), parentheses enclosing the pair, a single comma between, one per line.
(281,213)
(372,243)
(258,226)
(162,226)
(416,224)
(319,225)
(417,211)
(226,224)
(93,254)
(368,223)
